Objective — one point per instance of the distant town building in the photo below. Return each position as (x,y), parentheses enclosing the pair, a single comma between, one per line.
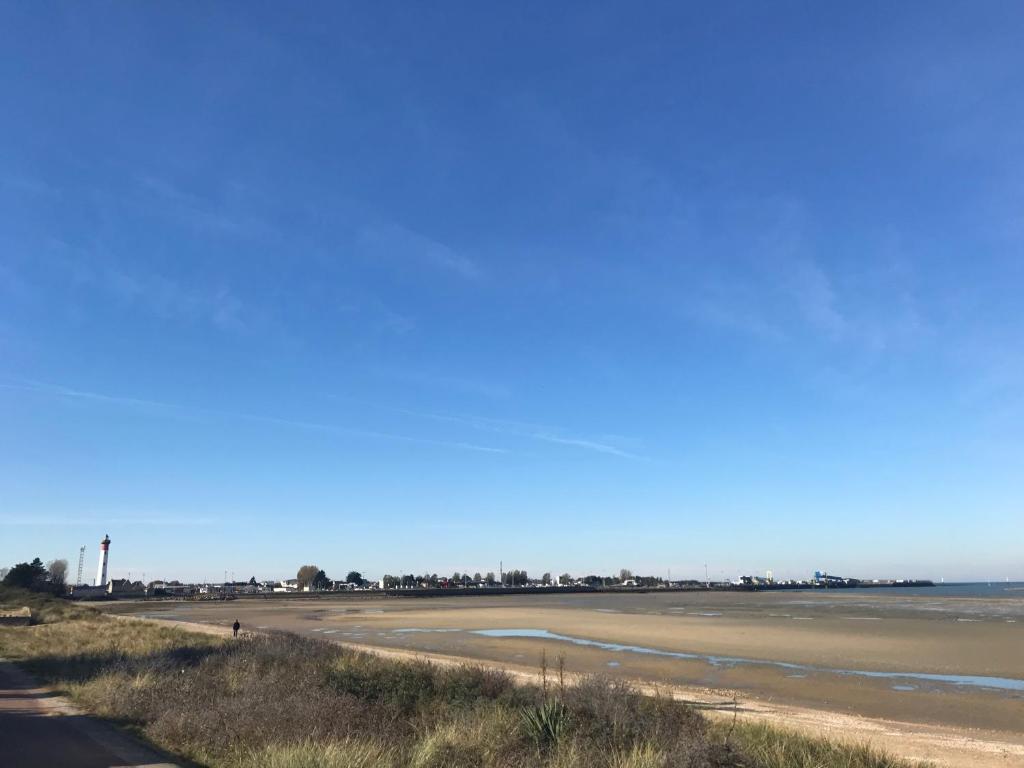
(291,585)
(126,588)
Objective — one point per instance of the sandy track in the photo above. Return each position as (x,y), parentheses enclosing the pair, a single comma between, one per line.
(39,728)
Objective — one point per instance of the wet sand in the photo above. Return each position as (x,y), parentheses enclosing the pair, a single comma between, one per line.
(952,667)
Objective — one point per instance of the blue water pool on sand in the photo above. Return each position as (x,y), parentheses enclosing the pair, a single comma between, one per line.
(404,631)
(967,681)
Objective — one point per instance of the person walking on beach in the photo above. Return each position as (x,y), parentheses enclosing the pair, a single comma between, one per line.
(235,627)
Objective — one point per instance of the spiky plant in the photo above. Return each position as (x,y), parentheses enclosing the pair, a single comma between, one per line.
(545,723)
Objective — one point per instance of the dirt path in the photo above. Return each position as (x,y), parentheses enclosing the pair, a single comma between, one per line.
(39,729)
(947,747)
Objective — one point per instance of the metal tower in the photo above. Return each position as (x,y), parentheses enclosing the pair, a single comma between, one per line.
(81,564)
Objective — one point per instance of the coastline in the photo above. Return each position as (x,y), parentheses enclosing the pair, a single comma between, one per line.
(944,745)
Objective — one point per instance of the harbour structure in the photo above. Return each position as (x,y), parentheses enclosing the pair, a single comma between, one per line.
(101,571)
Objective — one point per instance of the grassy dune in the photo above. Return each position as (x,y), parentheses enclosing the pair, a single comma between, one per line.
(281,701)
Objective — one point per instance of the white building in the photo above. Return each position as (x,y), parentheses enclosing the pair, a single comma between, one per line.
(101,571)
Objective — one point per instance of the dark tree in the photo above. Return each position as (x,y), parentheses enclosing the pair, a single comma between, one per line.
(320,581)
(354,577)
(516,578)
(27,576)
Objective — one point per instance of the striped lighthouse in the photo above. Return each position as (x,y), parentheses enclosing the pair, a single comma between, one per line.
(101,572)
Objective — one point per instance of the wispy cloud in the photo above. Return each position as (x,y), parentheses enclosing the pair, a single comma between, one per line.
(193,211)
(12,284)
(538,432)
(590,445)
(732,307)
(148,290)
(393,242)
(772,282)
(175,408)
(793,273)
(29,185)
(93,521)
(462,384)
(815,296)
(387,319)
(168,299)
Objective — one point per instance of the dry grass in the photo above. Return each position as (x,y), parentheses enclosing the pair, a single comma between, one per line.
(331,754)
(766,747)
(45,609)
(281,701)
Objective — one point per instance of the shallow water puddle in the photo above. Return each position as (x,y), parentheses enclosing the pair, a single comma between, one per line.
(967,681)
(417,629)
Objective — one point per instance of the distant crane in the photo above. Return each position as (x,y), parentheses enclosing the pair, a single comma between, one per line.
(81,564)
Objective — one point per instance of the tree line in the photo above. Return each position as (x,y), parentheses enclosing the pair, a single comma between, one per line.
(313,576)
(514,578)
(37,577)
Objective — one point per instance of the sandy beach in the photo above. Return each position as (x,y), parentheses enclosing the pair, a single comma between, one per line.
(928,677)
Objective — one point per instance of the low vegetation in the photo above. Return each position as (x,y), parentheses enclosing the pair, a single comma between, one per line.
(45,609)
(281,701)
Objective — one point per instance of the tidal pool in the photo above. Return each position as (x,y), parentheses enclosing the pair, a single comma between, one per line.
(971,681)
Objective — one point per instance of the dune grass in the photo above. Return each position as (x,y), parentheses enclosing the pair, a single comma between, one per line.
(282,701)
(45,608)
(766,747)
(312,754)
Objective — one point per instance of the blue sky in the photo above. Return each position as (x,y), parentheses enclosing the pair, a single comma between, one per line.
(575,286)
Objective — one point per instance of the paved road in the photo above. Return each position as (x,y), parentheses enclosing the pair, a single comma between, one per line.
(41,730)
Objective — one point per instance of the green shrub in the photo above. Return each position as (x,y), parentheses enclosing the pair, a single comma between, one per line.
(545,723)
